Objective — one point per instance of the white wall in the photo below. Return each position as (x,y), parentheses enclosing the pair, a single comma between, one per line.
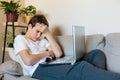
(98,16)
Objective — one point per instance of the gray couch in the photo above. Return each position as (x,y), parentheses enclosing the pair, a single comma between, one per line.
(110,44)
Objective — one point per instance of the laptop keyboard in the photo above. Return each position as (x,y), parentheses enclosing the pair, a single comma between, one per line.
(67,59)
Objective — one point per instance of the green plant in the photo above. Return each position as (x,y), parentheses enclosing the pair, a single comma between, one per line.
(10,39)
(9,36)
(29,10)
(12,6)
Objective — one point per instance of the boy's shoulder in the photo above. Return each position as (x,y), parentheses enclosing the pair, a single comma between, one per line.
(19,36)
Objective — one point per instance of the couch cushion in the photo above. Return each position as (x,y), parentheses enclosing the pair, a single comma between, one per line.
(11,67)
(112,51)
(95,41)
(12,71)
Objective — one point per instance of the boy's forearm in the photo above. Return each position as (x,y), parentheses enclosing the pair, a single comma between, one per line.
(54,45)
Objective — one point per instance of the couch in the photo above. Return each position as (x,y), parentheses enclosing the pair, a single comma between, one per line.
(110,44)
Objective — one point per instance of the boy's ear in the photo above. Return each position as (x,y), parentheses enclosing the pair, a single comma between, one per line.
(29,26)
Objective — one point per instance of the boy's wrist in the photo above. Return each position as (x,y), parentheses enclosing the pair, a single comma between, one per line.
(47,33)
(48,54)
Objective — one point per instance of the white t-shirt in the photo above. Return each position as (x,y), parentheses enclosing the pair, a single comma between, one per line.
(21,43)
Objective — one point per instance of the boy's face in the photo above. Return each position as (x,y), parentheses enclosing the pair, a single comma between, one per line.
(36,31)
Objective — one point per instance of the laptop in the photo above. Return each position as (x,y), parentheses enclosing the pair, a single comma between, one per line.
(73,46)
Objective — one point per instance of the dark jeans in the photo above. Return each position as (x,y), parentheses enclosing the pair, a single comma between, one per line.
(92,67)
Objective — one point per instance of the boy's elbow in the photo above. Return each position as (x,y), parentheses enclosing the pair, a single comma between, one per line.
(28,63)
(60,54)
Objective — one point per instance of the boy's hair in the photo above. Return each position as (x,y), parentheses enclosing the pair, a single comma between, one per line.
(38,19)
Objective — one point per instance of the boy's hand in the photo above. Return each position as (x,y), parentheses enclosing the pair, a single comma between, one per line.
(44,28)
(51,54)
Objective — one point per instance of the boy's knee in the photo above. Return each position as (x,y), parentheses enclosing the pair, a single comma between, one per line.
(97,52)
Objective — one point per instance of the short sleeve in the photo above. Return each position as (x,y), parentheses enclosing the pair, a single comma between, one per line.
(46,42)
(20,44)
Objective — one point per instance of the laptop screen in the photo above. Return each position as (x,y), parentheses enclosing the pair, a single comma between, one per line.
(78,33)
(73,45)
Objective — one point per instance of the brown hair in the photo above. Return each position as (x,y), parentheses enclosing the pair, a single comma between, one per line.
(38,19)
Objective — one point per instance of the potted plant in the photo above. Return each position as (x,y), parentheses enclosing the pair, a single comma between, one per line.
(28,12)
(11,9)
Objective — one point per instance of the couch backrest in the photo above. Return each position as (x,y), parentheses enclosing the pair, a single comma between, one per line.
(96,41)
(66,44)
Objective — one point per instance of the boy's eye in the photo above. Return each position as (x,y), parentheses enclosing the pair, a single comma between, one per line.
(37,31)
(41,33)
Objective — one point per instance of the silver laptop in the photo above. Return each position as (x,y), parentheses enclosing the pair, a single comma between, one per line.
(73,46)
